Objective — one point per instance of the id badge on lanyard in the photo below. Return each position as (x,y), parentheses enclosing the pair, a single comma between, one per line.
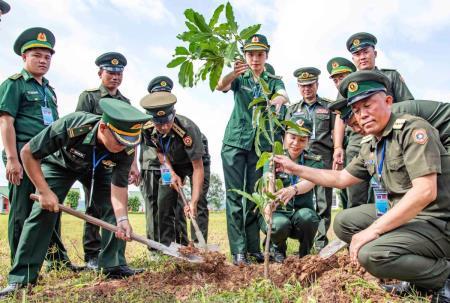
(380,193)
(47,114)
(166,176)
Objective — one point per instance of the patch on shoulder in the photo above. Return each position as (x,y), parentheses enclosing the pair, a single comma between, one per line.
(148,124)
(399,123)
(366,139)
(420,136)
(92,89)
(16,76)
(274,76)
(187,140)
(78,131)
(313,157)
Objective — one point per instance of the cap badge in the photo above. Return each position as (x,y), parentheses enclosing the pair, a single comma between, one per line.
(305,75)
(42,37)
(335,64)
(255,39)
(352,87)
(160,113)
(163,83)
(300,122)
(356,42)
(136,126)
(114,61)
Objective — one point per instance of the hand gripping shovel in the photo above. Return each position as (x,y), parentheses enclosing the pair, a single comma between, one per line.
(172,250)
(198,233)
(332,248)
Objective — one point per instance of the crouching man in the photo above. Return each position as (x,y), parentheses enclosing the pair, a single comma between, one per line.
(405,235)
(79,147)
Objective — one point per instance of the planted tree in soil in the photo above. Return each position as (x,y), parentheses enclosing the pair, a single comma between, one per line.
(212,45)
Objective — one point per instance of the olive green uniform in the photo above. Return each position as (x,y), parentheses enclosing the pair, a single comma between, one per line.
(67,148)
(239,163)
(298,219)
(22,97)
(320,144)
(359,194)
(184,145)
(89,102)
(417,251)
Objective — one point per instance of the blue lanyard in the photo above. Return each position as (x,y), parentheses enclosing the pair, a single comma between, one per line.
(41,90)
(310,109)
(294,179)
(165,148)
(95,163)
(380,165)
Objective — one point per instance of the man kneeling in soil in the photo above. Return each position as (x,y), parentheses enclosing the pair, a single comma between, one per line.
(405,235)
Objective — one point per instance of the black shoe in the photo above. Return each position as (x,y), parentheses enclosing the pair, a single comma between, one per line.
(279,256)
(10,289)
(402,288)
(257,257)
(240,259)
(119,272)
(442,295)
(92,264)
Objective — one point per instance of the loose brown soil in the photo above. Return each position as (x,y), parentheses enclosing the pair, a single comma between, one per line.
(332,280)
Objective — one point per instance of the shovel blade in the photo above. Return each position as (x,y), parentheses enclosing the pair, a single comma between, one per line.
(208,247)
(332,248)
(173,250)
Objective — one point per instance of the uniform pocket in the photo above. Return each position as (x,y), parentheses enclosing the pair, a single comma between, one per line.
(397,177)
(323,122)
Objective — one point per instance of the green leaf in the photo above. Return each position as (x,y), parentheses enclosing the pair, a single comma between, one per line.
(270,195)
(279,184)
(190,13)
(243,194)
(182,74)
(291,124)
(175,62)
(256,101)
(199,20)
(249,31)
(230,52)
(200,37)
(181,50)
(258,142)
(214,76)
(216,15)
(186,36)
(265,156)
(277,122)
(190,74)
(191,26)
(262,126)
(278,148)
(230,18)
(265,87)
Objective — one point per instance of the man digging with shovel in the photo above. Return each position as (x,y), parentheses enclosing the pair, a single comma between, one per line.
(405,235)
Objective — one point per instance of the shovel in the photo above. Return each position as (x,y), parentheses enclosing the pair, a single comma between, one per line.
(172,250)
(198,233)
(332,248)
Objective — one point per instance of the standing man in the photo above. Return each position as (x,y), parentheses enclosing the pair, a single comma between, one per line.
(4,8)
(79,147)
(180,149)
(27,105)
(238,150)
(315,108)
(111,66)
(405,235)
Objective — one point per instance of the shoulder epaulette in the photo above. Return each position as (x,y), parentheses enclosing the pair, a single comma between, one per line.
(326,99)
(78,131)
(148,124)
(274,76)
(129,150)
(314,157)
(366,139)
(387,69)
(178,130)
(398,124)
(92,89)
(16,76)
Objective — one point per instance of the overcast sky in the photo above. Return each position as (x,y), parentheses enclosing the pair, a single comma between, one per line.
(413,37)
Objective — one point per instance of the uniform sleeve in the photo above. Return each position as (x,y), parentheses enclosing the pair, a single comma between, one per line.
(357,169)
(10,97)
(50,139)
(400,89)
(196,151)
(121,170)
(84,103)
(421,149)
(279,87)
(236,84)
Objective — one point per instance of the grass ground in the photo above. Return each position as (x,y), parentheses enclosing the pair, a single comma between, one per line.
(68,285)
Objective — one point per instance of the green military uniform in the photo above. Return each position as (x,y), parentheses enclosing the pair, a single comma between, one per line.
(89,102)
(68,149)
(417,251)
(239,157)
(320,143)
(298,218)
(397,88)
(25,99)
(181,146)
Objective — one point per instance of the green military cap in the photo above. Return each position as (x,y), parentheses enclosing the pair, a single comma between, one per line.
(269,68)
(306,75)
(339,65)
(35,37)
(359,41)
(159,103)
(124,120)
(4,7)
(256,42)
(362,84)
(304,126)
(112,61)
(341,108)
